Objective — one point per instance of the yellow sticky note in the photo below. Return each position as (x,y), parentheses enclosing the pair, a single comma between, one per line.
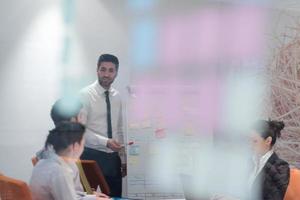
(133,160)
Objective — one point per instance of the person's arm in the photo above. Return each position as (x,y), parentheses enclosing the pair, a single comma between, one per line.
(281,178)
(277,175)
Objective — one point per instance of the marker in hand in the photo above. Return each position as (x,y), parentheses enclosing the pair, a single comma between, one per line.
(128,144)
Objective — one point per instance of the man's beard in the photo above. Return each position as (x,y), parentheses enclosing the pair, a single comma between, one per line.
(105,82)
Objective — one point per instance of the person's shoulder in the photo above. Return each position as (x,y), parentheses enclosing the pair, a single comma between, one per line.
(89,92)
(282,166)
(277,165)
(47,163)
(278,161)
(88,89)
(45,168)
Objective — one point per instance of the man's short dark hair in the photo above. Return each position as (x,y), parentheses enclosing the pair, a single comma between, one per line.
(108,58)
(64,109)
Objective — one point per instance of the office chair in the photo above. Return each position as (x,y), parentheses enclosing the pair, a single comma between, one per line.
(293,190)
(95,176)
(12,189)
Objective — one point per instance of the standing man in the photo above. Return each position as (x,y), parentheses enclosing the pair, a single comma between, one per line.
(102,108)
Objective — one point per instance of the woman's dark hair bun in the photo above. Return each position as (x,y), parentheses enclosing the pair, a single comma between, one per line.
(269,128)
(277,126)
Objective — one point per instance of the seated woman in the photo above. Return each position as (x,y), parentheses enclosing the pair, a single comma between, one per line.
(52,178)
(270,176)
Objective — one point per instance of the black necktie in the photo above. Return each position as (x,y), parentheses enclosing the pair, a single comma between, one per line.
(108,115)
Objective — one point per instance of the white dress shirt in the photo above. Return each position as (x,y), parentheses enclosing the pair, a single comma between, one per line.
(94,116)
(259,163)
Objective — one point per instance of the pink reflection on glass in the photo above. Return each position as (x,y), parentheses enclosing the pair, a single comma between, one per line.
(212,34)
(177,102)
(243,32)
